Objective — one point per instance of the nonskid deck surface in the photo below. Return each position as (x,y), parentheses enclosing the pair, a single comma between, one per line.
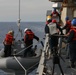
(65,65)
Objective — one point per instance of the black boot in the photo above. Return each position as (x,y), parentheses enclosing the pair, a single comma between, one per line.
(72,65)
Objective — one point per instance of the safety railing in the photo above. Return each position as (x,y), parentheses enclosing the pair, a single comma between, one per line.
(41,65)
(25,70)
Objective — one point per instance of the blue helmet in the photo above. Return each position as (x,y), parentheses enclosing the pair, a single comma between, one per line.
(73,22)
(54,9)
(67,18)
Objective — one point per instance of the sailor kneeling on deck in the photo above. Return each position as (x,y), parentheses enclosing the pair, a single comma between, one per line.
(8,41)
(28,39)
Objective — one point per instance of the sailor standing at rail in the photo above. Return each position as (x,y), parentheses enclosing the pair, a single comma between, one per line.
(8,41)
(52,28)
(67,25)
(72,42)
(49,20)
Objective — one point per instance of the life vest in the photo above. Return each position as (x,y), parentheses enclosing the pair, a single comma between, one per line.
(8,39)
(30,35)
(52,28)
(54,14)
(68,23)
(74,29)
(47,22)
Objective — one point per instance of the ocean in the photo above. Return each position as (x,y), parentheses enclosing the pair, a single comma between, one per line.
(36,27)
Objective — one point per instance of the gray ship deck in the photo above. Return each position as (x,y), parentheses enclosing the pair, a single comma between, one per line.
(65,65)
(46,64)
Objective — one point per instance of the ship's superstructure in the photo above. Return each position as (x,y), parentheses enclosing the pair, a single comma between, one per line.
(68,8)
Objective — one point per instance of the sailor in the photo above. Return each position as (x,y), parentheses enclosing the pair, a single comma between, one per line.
(28,39)
(55,14)
(67,24)
(67,27)
(8,41)
(53,28)
(48,20)
(72,42)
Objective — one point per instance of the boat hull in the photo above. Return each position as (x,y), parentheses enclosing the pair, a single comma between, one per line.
(19,62)
(11,63)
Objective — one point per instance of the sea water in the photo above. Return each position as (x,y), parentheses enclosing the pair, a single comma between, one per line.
(36,27)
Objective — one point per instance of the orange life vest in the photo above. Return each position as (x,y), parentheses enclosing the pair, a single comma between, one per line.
(47,23)
(8,39)
(30,34)
(74,29)
(54,14)
(68,23)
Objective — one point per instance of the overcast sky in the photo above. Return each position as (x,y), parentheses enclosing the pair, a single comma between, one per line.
(31,10)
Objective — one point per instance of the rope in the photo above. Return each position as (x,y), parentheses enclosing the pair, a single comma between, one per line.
(27,47)
(18,33)
(32,66)
(23,49)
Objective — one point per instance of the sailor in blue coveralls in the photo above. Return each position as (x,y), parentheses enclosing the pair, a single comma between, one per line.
(72,42)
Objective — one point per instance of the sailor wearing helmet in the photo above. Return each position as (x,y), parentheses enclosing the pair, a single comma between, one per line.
(28,39)
(8,41)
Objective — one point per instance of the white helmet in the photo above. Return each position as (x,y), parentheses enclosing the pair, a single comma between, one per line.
(25,29)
